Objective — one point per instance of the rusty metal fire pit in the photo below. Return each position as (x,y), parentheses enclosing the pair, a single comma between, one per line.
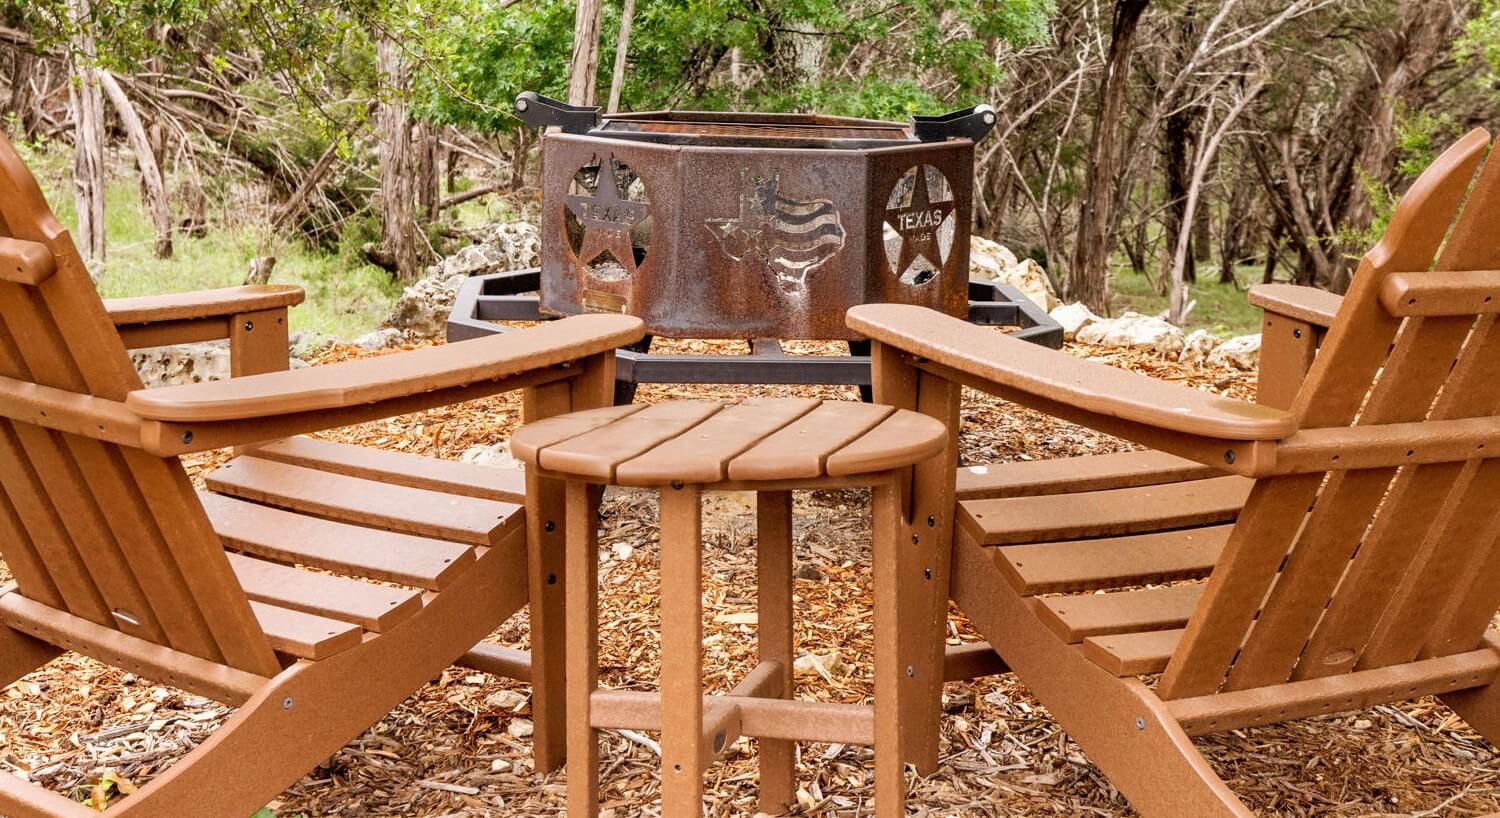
(749,226)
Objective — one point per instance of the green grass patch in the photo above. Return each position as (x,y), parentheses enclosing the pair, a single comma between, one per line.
(346,297)
(1223,309)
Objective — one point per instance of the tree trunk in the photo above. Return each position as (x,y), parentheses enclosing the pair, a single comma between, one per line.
(1177,131)
(622,47)
(1203,237)
(1409,55)
(1273,253)
(88,134)
(584,67)
(19,106)
(1208,148)
(427,171)
(397,190)
(1233,231)
(518,158)
(156,191)
(1088,280)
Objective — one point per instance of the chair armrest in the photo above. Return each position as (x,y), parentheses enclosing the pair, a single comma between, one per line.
(202,303)
(371,380)
(1309,304)
(1223,432)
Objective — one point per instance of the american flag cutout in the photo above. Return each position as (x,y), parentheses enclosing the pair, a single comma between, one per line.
(789,237)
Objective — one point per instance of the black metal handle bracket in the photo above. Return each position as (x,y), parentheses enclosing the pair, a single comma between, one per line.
(538,111)
(971,123)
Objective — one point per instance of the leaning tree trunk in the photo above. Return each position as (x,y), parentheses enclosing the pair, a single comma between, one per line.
(397,189)
(1088,280)
(145,157)
(88,134)
(622,48)
(584,67)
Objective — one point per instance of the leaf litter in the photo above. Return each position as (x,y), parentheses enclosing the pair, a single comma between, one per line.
(461,745)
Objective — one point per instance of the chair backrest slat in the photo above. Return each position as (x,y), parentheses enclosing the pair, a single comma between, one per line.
(1315,560)
(111,534)
(21,556)
(1368,620)
(45,535)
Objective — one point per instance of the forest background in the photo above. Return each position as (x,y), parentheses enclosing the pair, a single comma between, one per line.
(1150,154)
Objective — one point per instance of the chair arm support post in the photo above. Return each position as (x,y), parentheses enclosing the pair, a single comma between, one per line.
(259,342)
(1287,349)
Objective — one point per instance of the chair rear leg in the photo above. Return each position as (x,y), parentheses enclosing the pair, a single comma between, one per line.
(1121,725)
(20,654)
(1480,707)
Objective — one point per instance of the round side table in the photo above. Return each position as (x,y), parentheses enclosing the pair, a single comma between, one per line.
(771,446)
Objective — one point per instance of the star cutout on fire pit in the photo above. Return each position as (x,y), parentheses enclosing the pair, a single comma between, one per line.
(607,218)
(917,223)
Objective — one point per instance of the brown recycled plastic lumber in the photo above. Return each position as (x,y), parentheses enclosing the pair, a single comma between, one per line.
(1353,564)
(337,581)
(770,446)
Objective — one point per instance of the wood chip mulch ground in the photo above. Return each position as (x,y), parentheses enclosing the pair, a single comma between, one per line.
(461,747)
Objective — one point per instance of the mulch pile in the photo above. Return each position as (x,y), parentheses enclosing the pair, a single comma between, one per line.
(461,745)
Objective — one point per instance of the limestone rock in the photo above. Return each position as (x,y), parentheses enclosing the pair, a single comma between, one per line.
(383,338)
(1197,346)
(497,455)
(1137,332)
(422,310)
(512,700)
(1241,352)
(1073,318)
(990,261)
(987,258)
(182,364)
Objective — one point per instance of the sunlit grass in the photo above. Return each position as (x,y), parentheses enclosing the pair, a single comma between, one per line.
(345,297)
(1222,309)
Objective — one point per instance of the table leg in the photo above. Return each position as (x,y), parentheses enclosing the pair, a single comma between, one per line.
(893,686)
(773,509)
(582,606)
(681,653)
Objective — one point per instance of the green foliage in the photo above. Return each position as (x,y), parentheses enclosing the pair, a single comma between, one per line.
(1481,40)
(865,58)
(1420,137)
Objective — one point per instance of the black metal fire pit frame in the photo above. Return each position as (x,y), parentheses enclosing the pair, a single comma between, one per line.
(512,296)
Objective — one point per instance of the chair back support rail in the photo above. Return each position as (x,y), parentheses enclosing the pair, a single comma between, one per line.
(1369,539)
(104,532)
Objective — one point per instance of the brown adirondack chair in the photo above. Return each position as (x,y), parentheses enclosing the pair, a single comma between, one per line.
(1349,543)
(115,555)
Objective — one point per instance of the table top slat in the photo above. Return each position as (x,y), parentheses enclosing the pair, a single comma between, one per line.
(800,449)
(595,454)
(533,437)
(702,455)
(901,439)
